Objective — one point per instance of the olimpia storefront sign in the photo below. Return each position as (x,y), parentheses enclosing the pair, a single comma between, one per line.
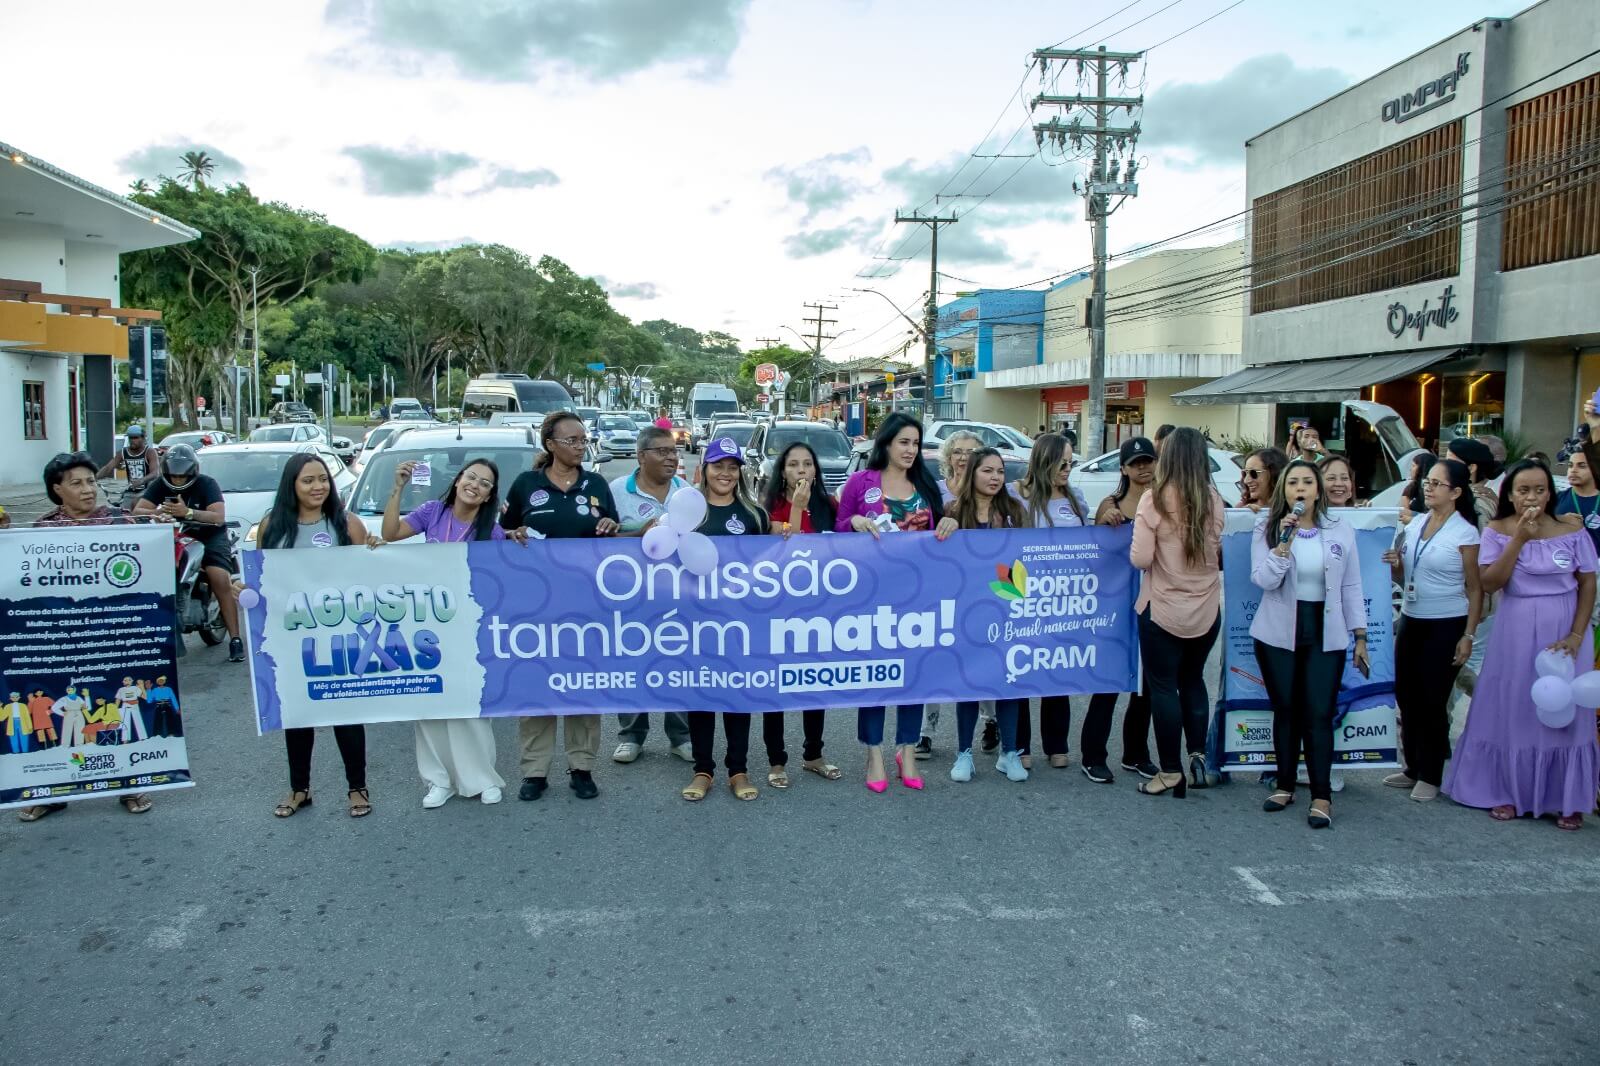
(1427,96)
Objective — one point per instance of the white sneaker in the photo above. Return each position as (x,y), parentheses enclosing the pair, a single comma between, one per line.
(627,751)
(683,751)
(962,770)
(436,797)
(489,795)
(1010,764)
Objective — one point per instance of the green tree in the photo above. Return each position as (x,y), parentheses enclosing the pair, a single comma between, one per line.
(197,169)
(494,292)
(404,301)
(292,251)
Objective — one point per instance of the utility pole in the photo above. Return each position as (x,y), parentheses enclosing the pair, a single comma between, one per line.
(1102,185)
(255,341)
(816,353)
(930,348)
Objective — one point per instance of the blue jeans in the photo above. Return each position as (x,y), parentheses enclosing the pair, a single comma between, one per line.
(907,724)
(1006,713)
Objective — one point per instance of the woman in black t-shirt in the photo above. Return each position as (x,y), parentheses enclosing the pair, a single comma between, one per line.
(730,512)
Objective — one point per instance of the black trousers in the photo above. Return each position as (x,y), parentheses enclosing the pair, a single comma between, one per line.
(1055,722)
(772,734)
(165,721)
(1175,677)
(703,740)
(1303,686)
(1135,728)
(1422,692)
(352,741)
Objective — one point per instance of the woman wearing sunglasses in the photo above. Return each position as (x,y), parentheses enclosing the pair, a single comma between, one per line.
(1261,472)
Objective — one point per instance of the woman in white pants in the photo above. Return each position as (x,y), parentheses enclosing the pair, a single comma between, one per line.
(455,756)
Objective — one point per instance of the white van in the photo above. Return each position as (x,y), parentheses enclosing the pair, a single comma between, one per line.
(490,394)
(706,401)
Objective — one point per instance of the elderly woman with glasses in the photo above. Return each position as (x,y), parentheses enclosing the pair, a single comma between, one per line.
(559,499)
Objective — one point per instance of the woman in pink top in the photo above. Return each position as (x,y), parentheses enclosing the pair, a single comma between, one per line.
(1177,541)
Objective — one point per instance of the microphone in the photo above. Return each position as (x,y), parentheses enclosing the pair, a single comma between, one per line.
(1299,509)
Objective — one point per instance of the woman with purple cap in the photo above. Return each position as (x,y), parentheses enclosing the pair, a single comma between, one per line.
(730,512)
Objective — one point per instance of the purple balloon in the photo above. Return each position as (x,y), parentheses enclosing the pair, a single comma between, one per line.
(660,541)
(248,598)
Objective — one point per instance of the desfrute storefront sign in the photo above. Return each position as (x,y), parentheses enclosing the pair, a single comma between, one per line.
(1402,319)
(1428,95)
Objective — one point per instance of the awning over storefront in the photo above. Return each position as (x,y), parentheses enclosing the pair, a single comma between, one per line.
(1314,381)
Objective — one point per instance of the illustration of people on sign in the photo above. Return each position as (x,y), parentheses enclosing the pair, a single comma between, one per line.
(102,723)
(71,709)
(128,697)
(18,722)
(44,726)
(163,703)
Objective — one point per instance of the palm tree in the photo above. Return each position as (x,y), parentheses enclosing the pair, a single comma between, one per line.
(139,187)
(197,167)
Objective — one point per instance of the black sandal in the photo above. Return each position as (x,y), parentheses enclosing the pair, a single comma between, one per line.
(288,810)
(360,808)
(1274,804)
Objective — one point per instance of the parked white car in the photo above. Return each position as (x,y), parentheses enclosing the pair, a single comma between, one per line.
(1007,440)
(1098,477)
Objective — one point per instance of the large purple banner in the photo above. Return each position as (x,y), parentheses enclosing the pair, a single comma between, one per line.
(561,627)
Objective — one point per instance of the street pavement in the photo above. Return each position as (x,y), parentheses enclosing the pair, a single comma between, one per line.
(1052,921)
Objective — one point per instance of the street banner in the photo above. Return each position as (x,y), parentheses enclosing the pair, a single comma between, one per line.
(91,705)
(1364,733)
(405,632)
(158,363)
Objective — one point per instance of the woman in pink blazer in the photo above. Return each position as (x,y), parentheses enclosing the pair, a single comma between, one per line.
(1311,604)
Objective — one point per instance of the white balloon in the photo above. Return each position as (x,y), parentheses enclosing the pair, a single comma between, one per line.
(1551,694)
(1552,663)
(1586,690)
(660,541)
(698,553)
(1556,717)
(686,510)
(248,598)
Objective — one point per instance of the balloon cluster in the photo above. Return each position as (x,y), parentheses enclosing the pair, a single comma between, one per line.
(685,511)
(1559,690)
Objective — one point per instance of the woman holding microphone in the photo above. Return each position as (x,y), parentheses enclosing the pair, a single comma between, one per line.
(1437,566)
(896,491)
(1304,561)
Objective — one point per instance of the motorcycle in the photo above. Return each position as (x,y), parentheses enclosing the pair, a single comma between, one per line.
(197,608)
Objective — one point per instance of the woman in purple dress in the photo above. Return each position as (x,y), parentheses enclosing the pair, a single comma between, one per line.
(1508,761)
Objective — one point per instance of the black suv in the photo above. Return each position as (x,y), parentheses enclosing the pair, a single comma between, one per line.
(291,411)
(832,448)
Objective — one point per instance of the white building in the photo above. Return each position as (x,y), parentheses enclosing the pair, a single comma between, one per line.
(1430,238)
(1167,330)
(61,323)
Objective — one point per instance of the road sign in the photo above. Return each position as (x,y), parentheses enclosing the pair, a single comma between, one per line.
(766,374)
(763,398)
(598,368)
(199,403)
(284,379)
(313,378)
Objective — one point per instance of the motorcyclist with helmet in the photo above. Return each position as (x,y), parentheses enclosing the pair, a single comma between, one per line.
(183,494)
(139,460)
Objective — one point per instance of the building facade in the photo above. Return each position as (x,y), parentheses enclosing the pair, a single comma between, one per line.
(61,323)
(1164,333)
(1429,238)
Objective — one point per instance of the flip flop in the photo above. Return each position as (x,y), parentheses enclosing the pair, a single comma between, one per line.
(1571,823)
(778,777)
(33,814)
(1503,813)
(137,804)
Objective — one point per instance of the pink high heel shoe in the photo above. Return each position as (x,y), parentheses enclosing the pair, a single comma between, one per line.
(879,787)
(909,782)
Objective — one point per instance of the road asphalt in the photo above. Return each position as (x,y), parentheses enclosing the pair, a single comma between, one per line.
(1048,921)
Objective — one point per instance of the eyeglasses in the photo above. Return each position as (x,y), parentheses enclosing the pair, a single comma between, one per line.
(572,442)
(474,479)
(1431,483)
(962,453)
(662,453)
(1253,474)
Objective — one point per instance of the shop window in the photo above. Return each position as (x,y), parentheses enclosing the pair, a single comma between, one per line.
(1472,405)
(33,410)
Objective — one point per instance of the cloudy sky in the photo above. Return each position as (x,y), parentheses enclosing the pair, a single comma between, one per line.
(715,162)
